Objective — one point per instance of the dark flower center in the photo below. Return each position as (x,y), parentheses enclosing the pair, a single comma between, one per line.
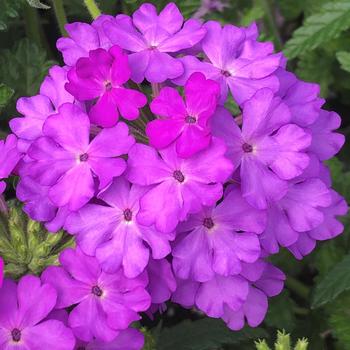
(16,335)
(190,120)
(96,290)
(247,147)
(127,215)
(84,157)
(108,85)
(179,176)
(208,223)
(81,348)
(225,73)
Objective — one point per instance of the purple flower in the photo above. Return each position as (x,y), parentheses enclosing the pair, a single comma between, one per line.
(301,210)
(37,108)
(9,157)
(186,123)
(179,186)
(82,39)
(67,161)
(208,6)
(23,309)
(105,303)
(217,240)
(233,298)
(102,76)
(301,97)
(153,39)
(237,61)
(268,150)
(113,233)
(326,143)
(331,227)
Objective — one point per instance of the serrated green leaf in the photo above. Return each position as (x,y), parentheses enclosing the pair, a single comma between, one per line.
(344,60)
(334,283)
(205,334)
(38,4)
(332,19)
(5,95)
(9,9)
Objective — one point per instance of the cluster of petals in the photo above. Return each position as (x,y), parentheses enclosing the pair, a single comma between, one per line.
(170,197)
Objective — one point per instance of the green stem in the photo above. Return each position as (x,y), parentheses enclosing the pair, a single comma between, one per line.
(298,287)
(92,8)
(269,12)
(60,15)
(32,25)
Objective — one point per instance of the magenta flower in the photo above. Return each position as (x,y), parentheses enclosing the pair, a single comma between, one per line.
(82,39)
(301,210)
(130,339)
(268,150)
(179,186)
(325,142)
(67,161)
(23,309)
(37,108)
(1,271)
(186,123)
(153,39)
(105,303)
(330,228)
(217,240)
(9,157)
(113,233)
(102,76)
(237,61)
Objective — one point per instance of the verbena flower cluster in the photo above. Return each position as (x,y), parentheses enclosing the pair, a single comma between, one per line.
(130,148)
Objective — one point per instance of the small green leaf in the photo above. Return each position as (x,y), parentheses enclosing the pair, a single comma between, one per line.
(205,334)
(332,19)
(335,282)
(38,4)
(5,95)
(344,60)
(9,9)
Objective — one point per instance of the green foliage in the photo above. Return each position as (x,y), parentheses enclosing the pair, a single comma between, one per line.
(344,59)
(323,26)
(38,4)
(283,342)
(205,334)
(26,246)
(9,9)
(6,94)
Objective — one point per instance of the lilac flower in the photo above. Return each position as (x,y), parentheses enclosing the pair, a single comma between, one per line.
(9,157)
(301,97)
(113,233)
(237,61)
(105,303)
(208,6)
(153,39)
(66,160)
(23,308)
(82,39)
(179,186)
(1,271)
(301,210)
(37,108)
(233,298)
(186,123)
(218,239)
(130,339)
(268,150)
(102,76)
(330,228)
(326,143)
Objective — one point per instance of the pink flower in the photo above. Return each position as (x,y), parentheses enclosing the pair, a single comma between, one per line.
(186,123)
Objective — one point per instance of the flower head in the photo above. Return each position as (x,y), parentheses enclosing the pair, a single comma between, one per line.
(186,123)
(23,311)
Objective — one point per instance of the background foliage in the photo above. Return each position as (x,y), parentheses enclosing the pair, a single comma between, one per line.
(315,36)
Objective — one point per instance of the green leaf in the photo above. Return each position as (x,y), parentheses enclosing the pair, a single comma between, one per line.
(334,283)
(38,4)
(340,177)
(205,334)
(344,60)
(319,28)
(24,67)
(9,9)
(5,95)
